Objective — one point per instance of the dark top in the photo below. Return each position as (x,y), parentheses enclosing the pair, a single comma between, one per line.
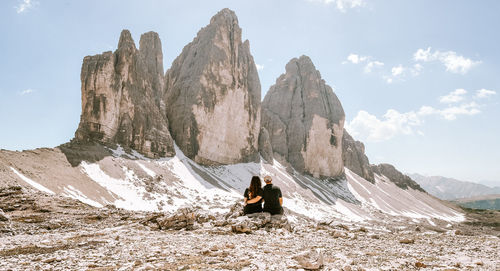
(253,207)
(272,195)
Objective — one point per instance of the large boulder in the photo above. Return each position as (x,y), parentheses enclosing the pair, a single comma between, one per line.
(213,95)
(354,157)
(305,120)
(121,97)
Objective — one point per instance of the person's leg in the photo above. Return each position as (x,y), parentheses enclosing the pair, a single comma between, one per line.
(246,210)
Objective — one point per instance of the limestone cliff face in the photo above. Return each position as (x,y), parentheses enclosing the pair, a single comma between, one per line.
(212,93)
(305,120)
(353,155)
(121,97)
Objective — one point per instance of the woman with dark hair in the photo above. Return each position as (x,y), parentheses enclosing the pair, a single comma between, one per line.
(253,197)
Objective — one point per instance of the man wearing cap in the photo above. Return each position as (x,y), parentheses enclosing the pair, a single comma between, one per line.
(273,200)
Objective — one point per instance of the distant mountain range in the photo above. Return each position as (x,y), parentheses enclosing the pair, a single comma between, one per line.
(449,189)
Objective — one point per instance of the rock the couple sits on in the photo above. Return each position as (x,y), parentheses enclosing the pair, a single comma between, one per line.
(270,195)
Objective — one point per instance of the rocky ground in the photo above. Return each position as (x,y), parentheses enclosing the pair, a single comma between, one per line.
(41,232)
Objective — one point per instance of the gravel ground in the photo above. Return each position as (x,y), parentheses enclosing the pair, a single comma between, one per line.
(68,235)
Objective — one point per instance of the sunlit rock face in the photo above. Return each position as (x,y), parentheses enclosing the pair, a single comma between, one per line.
(121,97)
(305,120)
(213,95)
(355,159)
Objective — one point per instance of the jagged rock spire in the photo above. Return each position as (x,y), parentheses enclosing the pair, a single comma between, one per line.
(305,120)
(213,95)
(118,98)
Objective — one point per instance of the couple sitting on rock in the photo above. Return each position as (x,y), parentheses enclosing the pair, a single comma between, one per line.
(270,195)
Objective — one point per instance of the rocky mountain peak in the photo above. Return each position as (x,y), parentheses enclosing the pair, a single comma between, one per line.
(213,95)
(126,41)
(305,120)
(225,16)
(151,52)
(118,98)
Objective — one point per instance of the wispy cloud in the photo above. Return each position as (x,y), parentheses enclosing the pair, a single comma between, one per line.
(27,91)
(371,128)
(259,67)
(342,5)
(25,5)
(453,97)
(360,59)
(451,60)
(484,93)
(371,65)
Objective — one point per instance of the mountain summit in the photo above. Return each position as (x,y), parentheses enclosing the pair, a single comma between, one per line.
(119,98)
(305,120)
(213,95)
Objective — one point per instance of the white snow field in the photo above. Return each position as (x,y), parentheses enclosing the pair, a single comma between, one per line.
(136,183)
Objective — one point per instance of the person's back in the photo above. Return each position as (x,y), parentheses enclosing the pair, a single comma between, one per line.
(273,198)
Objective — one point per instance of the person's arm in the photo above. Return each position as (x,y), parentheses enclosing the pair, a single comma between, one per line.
(245,197)
(281,197)
(254,200)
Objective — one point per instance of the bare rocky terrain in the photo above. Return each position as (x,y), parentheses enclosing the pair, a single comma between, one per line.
(47,232)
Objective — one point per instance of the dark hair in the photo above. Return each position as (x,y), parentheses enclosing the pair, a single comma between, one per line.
(255,185)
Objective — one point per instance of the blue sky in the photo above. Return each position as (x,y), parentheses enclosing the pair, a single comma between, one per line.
(418,80)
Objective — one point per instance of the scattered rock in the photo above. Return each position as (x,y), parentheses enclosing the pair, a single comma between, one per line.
(3,216)
(310,260)
(407,241)
(420,265)
(181,219)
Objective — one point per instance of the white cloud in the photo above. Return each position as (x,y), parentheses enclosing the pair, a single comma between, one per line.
(454,63)
(27,91)
(453,97)
(427,110)
(416,69)
(484,93)
(451,113)
(25,5)
(342,5)
(368,127)
(397,70)
(355,59)
(259,67)
(372,65)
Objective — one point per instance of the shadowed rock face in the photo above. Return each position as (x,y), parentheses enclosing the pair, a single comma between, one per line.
(213,95)
(120,97)
(265,148)
(401,180)
(305,120)
(354,157)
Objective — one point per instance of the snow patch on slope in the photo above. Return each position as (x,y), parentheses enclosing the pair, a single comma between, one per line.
(32,183)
